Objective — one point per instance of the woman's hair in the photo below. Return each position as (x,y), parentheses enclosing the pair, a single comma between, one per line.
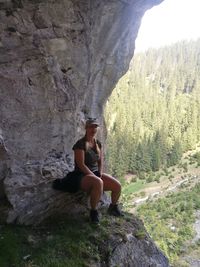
(97,148)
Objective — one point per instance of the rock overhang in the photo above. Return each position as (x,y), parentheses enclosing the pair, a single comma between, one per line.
(59,62)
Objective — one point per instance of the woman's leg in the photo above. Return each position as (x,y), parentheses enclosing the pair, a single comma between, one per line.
(94,186)
(113,185)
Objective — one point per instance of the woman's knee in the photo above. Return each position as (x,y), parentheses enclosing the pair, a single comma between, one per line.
(90,182)
(111,183)
(118,186)
(98,183)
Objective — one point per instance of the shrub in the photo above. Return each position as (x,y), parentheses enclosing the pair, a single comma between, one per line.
(150,179)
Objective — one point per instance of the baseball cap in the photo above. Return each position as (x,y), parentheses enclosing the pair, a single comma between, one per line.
(92,121)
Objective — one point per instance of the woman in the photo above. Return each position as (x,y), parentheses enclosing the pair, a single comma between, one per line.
(88,165)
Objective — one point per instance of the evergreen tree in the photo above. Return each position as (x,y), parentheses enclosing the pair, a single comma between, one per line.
(153,115)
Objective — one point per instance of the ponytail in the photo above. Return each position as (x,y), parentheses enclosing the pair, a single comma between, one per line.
(97,148)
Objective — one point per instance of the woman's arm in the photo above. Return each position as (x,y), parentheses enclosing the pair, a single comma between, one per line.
(79,155)
(100,162)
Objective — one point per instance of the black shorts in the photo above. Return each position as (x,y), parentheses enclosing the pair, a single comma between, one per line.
(71,182)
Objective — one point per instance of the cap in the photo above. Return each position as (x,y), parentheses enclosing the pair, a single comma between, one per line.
(92,121)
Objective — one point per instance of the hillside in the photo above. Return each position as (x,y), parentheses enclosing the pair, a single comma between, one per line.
(153,114)
(170,209)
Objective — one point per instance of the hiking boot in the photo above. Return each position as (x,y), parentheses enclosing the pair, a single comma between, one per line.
(94,216)
(115,211)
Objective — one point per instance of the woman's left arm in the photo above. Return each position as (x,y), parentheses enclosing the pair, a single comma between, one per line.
(100,162)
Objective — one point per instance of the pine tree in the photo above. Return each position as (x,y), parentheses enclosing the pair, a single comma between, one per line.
(153,114)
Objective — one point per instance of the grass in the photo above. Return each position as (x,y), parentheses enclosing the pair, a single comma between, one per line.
(133,187)
(140,234)
(61,241)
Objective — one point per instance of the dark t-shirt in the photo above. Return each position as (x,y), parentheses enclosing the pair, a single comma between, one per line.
(91,155)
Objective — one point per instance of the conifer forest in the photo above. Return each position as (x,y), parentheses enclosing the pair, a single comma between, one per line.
(153,137)
(153,115)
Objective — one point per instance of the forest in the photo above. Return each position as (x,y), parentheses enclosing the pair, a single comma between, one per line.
(153,136)
(153,114)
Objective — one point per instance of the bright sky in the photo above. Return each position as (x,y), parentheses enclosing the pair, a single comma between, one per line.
(169,22)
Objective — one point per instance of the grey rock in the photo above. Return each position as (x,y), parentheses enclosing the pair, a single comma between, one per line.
(125,247)
(4,165)
(59,62)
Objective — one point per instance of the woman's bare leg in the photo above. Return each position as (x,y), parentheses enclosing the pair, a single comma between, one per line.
(94,186)
(113,185)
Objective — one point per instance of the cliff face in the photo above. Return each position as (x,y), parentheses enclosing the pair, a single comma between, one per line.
(59,61)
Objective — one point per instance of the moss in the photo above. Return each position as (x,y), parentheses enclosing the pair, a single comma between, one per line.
(140,234)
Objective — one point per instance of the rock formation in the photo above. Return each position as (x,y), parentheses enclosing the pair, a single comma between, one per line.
(59,61)
(129,246)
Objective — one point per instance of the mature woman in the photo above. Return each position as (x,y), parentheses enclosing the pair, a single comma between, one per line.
(88,161)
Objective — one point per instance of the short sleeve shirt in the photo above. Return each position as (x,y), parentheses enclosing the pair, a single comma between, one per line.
(91,155)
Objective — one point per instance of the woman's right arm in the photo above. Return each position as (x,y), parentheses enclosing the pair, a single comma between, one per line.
(79,155)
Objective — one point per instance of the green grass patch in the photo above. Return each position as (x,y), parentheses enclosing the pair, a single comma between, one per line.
(140,234)
(64,242)
(133,188)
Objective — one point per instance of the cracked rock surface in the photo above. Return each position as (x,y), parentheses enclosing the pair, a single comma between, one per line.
(59,61)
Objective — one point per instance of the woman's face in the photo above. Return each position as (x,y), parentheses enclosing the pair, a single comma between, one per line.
(92,129)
